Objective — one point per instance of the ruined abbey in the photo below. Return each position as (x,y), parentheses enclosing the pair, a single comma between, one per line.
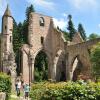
(66,59)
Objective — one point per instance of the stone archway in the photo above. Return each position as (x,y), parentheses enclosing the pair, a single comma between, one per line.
(76,68)
(41,62)
(60,64)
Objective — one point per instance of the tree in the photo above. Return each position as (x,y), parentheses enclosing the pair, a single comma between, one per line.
(93,36)
(29,10)
(65,34)
(70,27)
(95,58)
(82,31)
(26,23)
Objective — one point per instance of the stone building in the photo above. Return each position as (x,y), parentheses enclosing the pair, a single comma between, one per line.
(66,59)
(7,57)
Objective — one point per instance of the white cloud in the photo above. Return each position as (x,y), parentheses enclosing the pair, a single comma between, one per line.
(61,23)
(3,4)
(99,25)
(84,4)
(42,3)
(65,14)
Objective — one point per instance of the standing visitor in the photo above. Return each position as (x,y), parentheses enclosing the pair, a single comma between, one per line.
(18,87)
(26,90)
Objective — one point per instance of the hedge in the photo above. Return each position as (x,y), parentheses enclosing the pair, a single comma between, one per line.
(5,84)
(65,91)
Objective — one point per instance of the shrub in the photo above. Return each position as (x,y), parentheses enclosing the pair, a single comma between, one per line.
(5,84)
(65,91)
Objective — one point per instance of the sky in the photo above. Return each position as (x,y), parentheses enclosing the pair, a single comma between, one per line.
(86,12)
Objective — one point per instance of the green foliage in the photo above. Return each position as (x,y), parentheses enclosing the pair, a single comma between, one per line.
(66,91)
(41,67)
(66,35)
(70,27)
(82,31)
(5,84)
(93,36)
(20,31)
(95,58)
(17,37)
(25,23)
(29,10)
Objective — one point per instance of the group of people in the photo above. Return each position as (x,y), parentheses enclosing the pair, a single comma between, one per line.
(20,85)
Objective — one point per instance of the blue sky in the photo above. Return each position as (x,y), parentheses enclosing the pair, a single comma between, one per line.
(86,12)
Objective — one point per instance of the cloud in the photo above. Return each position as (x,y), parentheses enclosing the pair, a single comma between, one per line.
(3,4)
(42,3)
(65,14)
(99,25)
(84,4)
(61,23)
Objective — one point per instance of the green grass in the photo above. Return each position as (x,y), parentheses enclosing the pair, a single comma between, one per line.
(14,93)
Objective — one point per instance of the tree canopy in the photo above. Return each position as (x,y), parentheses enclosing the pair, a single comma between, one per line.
(95,59)
(93,36)
(81,31)
(70,27)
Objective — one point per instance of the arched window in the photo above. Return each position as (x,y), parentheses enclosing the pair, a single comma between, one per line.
(5,27)
(10,39)
(41,21)
(42,40)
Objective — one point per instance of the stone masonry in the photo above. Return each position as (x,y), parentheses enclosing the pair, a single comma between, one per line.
(66,59)
(61,54)
(7,61)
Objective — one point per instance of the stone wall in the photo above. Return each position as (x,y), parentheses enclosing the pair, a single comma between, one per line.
(2,96)
(61,54)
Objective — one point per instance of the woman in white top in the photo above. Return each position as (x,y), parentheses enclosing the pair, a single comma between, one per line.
(18,87)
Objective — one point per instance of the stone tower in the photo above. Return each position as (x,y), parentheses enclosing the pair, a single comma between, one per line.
(7,28)
(8,64)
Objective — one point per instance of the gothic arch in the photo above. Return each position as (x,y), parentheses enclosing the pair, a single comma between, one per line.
(77,67)
(60,66)
(47,59)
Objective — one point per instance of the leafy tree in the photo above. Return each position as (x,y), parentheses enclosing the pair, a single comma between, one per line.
(70,27)
(29,10)
(82,31)
(41,67)
(95,58)
(93,36)
(66,35)
(26,23)
(17,36)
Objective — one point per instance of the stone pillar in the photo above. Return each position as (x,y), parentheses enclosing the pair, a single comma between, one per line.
(54,72)
(31,69)
(13,79)
(31,65)
(2,96)
(25,67)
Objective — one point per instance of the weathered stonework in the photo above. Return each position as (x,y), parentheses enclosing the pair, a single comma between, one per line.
(61,54)
(66,59)
(7,61)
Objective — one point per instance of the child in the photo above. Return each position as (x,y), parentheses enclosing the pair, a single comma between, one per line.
(26,89)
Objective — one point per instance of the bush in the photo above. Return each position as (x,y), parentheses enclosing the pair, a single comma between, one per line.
(65,91)
(5,84)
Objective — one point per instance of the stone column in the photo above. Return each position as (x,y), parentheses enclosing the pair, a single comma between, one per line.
(31,66)
(13,78)
(54,72)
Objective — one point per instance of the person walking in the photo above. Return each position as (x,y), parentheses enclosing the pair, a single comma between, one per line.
(18,87)
(26,91)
